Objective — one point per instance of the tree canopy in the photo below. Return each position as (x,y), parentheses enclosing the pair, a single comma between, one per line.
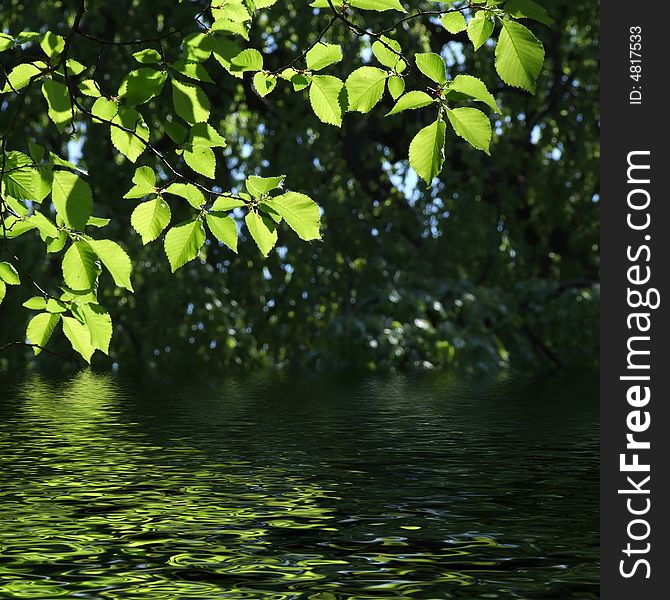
(253,182)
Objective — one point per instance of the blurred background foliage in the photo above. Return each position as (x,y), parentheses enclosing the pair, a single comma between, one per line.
(495,267)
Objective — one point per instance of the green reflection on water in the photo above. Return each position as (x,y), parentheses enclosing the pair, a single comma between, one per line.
(91,508)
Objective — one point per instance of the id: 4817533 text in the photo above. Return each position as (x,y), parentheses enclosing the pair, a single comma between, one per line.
(635,64)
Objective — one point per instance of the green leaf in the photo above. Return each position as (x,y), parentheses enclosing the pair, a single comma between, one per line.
(23,74)
(247,60)
(267,210)
(74,67)
(472,125)
(192,70)
(410,101)
(519,56)
(426,152)
(147,56)
(224,50)
(474,88)
(325,96)
(72,198)
(6,42)
(480,29)
(27,36)
(183,242)
(46,228)
(15,227)
(223,203)
(40,329)
(105,109)
(299,80)
(521,9)
(35,303)
(42,182)
(263,231)
(264,83)
(198,153)
(52,44)
(142,85)
(203,134)
(89,87)
(323,55)
(378,5)
(145,183)
(300,212)
(56,244)
(56,307)
(189,192)
(231,10)
(99,325)
(432,66)
(396,86)
(224,229)
(57,161)
(150,218)
(365,88)
(18,206)
(58,102)
(197,46)
(231,27)
(201,159)
(190,102)
(78,297)
(115,260)
(130,143)
(387,52)
(18,176)
(454,22)
(3,291)
(98,222)
(22,181)
(79,336)
(80,266)
(145,177)
(260,186)
(9,274)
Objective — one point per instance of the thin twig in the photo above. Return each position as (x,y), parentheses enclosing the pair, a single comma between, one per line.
(148,40)
(27,345)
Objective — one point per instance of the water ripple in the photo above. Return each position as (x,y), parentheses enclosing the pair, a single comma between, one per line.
(291,488)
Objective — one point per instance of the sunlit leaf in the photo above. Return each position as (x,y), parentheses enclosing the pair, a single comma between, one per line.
(183,242)
(79,336)
(115,260)
(263,231)
(426,152)
(80,266)
(150,218)
(325,97)
(300,212)
(40,329)
(72,198)
(223,228)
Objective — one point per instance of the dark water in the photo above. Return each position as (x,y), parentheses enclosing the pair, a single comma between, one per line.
(293,487)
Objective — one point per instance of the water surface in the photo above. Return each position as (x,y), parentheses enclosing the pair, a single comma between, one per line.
(297,487)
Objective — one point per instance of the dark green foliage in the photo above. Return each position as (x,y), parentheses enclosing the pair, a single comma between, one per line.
(492,266)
